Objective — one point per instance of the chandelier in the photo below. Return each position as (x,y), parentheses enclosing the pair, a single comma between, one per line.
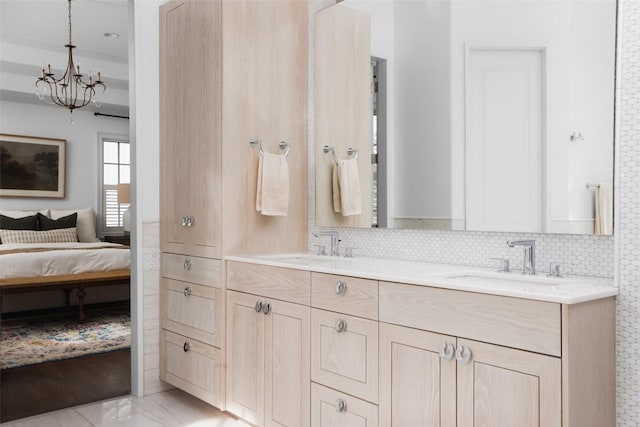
(72,90)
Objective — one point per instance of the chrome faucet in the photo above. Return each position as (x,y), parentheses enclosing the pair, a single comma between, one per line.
(529,261)
(335,241)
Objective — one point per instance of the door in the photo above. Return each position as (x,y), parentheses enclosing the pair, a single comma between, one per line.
(504,387)
(417,386)
(205,128)
(174,119)
(245,357)
(287,365)
(504,138)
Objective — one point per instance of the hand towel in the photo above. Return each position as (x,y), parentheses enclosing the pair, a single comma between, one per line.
(604,210)
(272,196)
(349,183)
(337,206)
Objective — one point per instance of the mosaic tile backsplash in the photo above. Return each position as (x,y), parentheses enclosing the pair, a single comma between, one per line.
(583,255)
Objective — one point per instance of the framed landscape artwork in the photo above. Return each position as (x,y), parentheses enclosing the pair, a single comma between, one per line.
(32,167)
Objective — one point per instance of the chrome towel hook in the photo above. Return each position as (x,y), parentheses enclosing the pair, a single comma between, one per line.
(284,146)
(350,152)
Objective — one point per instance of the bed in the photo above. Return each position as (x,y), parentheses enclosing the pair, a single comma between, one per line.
(68,266)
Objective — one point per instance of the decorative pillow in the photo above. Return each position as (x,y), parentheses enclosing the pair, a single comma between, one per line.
(68,221)
(20,214)
(63,235)
(86,223)
(24,223)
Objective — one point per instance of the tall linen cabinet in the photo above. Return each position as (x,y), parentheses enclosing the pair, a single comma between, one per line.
(230,71)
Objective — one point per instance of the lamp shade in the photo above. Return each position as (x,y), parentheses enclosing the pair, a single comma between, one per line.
(124,193)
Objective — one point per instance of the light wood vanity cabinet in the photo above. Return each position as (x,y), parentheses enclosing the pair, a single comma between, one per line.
(564,376)
(219,90)
(268,344)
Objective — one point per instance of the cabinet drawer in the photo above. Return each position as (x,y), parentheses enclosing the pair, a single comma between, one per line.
(512,322)
(203,271)
(271,282)
(192,310)
(350,295)
(345,356)
(198,370)
(330,408)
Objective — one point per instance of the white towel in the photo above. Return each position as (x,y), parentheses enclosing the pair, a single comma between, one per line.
(349,184)
(337,206)
(272,196)
(604,210)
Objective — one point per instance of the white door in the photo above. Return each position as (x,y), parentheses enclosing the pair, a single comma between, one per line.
(504,98)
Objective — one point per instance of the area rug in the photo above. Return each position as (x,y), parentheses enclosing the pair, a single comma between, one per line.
(30,342)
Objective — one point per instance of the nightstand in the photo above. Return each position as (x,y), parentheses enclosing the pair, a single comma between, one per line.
(123,239)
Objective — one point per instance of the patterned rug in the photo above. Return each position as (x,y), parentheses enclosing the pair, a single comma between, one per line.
(25,343)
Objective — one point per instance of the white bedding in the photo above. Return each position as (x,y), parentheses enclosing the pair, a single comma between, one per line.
(71,258)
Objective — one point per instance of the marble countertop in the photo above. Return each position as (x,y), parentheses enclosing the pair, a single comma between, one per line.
(563,290)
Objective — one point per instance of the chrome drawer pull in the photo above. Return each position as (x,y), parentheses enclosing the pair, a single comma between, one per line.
(266,308)
(341,325)
(258,306)
(187,263)
(446,351)
(187,291)
(186,347)
(463,355)
(341,287)
(341,405)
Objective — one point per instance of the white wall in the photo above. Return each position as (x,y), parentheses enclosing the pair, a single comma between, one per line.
(421,141)
(575,36)
(83,168)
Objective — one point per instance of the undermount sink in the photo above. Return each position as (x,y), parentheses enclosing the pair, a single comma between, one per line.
(302,259)
(480,278)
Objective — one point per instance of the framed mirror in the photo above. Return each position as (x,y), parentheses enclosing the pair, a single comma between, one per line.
(466,115)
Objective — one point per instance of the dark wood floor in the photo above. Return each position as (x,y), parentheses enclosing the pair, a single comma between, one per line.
(31,390)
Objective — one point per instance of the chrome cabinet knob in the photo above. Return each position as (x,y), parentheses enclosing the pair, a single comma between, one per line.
(341,287)
(186,347)
(341,325)
(190,221)
(446,351)
(341,405)
(266,308)
(258,306)
(463,355)
(184,221)
(187,263)
(187,291)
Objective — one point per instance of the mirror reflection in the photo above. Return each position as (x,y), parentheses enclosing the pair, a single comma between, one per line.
(478,115)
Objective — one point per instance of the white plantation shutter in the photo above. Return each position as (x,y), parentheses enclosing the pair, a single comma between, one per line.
(115,159)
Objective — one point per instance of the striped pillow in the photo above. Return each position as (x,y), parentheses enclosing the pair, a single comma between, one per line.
(62,235)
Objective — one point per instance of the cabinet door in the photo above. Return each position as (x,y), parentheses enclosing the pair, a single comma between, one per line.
(174,115)
(417,386)
(345,353)
(504,387)
(245,357)
(287,365)
(205,127)
(331,408)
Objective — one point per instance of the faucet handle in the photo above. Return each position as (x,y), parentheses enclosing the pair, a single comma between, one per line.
(505,265)
(554,269)
(322,249)
(348,251)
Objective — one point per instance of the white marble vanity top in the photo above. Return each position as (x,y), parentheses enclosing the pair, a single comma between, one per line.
(564,290)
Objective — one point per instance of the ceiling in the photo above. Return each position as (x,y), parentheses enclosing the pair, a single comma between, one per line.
(44,24)
(34,32)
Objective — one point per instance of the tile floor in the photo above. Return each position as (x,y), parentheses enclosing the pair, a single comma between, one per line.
(172,408)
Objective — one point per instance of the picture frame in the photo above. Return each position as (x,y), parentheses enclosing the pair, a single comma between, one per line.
(32,166)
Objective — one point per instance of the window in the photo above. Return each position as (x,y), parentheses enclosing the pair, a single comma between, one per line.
(116,169)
